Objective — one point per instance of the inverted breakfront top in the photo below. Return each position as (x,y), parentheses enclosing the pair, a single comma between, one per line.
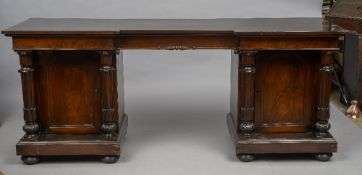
(222,26)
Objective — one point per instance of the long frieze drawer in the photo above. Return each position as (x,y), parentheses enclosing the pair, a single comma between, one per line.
(177,42)
(62,43)
(289,43)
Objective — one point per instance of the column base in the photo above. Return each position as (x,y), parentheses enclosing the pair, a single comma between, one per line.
(109,148)
(280,143)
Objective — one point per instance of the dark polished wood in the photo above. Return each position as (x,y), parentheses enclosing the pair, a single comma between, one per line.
(302,142)
(31,126)
(285,107)
(247,89)
(326,69)
(48,144)
(107,68)
(222,26)
(71,77)
(286,90)
(73,83)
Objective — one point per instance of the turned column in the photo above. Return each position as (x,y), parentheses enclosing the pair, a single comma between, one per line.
(26,70)
(246,91)
(107,71)
(322,124)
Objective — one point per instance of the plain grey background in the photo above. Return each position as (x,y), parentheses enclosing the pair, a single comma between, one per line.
(176,101)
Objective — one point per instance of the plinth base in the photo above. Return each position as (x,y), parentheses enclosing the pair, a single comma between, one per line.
(247,147)
(108,148)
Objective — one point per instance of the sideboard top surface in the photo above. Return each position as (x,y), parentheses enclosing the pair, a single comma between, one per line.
(222,26)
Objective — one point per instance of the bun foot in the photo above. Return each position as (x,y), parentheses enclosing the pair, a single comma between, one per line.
(323,156)
(30,160)
(246,157)
(110,159)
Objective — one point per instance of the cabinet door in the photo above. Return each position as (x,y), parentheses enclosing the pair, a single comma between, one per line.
(286,90)
(67,84)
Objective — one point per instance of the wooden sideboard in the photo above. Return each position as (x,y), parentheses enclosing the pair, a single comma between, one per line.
(71,72)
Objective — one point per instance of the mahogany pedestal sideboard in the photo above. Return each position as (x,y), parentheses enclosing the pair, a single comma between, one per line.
(71,72)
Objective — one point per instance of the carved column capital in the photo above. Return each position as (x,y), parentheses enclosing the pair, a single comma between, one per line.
(245,52)
(248,52)
(329,52)
(247,61)
(23,52)
(108,52)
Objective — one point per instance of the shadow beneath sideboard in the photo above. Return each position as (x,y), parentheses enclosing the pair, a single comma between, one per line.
(177,133)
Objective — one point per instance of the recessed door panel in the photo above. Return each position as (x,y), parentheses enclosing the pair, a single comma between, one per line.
(283,92)
(68,91)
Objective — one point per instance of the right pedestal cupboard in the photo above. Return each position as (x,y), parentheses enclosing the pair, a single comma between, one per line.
(280,103)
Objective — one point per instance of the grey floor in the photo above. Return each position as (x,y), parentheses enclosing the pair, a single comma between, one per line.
(177,126)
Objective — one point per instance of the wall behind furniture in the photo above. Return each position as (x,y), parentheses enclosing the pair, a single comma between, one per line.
(151,76)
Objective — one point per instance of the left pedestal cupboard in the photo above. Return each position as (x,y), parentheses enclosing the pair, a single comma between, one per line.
(71,104)
(72,81)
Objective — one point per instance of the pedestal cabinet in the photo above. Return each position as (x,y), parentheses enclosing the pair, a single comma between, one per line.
(71,72)
(280,103)
(71,104)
